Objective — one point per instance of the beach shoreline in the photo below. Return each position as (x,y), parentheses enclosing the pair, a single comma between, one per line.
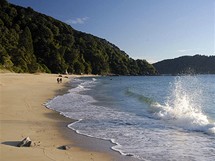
(85,142)
(23,114)
(91,143)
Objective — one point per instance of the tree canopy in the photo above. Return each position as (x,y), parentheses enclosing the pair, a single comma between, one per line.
(33,42)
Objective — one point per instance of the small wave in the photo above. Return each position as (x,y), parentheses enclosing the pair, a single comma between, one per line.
(94,79)
(80,86)
(140,97)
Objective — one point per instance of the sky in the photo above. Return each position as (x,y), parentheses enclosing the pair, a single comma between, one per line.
(145,29)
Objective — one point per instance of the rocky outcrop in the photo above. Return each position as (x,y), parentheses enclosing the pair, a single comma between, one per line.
(25,142)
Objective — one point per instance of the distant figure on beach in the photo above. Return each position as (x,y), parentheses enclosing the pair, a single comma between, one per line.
(58,80)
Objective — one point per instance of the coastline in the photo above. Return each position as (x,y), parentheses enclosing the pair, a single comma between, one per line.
(87,142)
(23,114)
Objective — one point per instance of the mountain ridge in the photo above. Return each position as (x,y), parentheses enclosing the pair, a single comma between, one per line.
(197,64)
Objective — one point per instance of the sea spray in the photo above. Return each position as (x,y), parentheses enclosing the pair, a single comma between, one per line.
(184,105)
(121,109)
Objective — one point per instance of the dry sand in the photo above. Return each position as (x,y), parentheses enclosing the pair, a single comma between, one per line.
(22,114)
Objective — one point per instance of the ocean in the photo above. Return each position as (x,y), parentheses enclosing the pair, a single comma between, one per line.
(152,118)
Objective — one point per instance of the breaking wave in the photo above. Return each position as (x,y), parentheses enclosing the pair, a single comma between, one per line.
(184,106)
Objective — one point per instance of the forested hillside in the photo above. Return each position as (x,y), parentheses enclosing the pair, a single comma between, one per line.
(33,42)
(198,64)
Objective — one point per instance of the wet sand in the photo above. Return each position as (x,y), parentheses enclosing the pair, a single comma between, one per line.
(23,114)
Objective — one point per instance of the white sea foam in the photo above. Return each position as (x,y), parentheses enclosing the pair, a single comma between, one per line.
(184,106)
(94,79)
(145,138)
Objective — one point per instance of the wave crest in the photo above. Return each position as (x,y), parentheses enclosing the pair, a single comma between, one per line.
(184,107)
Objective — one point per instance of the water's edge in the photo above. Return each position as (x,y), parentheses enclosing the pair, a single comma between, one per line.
(86,142)
(128,117)
(91,143)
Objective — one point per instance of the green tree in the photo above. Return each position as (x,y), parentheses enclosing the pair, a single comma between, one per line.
(26,41)
(3,3)
(79,68)
(5,59)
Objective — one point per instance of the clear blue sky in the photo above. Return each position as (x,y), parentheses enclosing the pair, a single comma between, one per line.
(146,29)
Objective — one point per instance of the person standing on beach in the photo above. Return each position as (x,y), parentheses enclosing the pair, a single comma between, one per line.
(58,80)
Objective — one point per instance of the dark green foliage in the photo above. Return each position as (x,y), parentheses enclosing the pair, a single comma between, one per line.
(33,42)
(198,64)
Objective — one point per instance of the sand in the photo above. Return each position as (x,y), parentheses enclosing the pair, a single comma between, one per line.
(23,114)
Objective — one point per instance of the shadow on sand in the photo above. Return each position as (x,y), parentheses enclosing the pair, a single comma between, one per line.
(11,143)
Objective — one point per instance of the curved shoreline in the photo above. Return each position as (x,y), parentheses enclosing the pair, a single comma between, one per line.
(23,114)
(90,142)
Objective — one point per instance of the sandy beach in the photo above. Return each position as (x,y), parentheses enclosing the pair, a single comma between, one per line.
(23,114)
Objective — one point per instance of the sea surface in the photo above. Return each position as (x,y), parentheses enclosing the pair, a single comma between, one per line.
(152,118)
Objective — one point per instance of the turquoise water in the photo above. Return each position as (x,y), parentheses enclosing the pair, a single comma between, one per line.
(149,118)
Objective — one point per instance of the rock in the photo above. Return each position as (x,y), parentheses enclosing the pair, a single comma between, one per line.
(36,143)
(25,142)
(65,147)
(129,155)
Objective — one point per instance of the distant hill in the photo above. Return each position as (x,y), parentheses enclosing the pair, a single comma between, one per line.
(198,64)
(33,42)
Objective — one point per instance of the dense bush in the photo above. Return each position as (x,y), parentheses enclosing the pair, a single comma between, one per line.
(34,42)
